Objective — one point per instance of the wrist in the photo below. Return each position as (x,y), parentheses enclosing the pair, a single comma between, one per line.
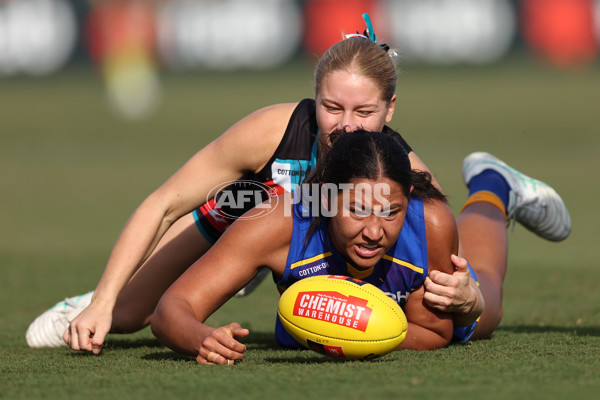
(472,311)
(103,300)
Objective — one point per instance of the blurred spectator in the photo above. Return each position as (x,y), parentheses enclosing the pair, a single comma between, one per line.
(121,36)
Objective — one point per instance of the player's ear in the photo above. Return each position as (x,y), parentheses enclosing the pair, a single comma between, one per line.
(390,110)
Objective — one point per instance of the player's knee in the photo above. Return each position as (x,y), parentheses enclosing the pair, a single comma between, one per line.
(488,324)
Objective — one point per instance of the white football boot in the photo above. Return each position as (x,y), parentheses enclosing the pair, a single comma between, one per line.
(532,203)
(47,330)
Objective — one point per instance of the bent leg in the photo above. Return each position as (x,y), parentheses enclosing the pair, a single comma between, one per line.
(496,192)
(484,243)
(179,248)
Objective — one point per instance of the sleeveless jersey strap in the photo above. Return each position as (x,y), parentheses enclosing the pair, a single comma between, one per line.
(313,153)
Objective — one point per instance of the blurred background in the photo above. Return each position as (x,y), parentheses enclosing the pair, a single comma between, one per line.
(101,101)
(131,43)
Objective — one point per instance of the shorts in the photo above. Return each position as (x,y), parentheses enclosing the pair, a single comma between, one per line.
(211,223)
(214,217)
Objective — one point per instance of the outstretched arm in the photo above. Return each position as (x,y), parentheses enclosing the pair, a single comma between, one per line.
(225,159)
(232,262)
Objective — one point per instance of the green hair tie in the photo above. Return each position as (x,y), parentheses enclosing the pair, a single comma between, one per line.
(369,31)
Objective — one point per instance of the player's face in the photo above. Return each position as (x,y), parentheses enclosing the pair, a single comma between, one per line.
(350,101)
(368,220)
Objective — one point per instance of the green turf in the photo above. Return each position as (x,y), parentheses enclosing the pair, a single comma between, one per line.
(72,172)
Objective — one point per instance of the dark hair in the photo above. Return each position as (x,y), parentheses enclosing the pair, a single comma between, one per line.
(362,154)
(369,155)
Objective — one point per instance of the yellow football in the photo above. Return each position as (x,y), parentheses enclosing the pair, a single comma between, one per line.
(342,317)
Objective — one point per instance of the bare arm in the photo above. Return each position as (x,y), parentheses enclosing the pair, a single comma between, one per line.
(245,247)
(457,293)
(225,159)
(429,328)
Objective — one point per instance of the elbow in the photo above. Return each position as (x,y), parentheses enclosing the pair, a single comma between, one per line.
(172,327)
(155,326)
(161,203)
(420,338)
(157,323)
(440,343)
(441,337)
(418,344)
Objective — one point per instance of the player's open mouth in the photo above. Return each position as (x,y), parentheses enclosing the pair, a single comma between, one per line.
(366,250)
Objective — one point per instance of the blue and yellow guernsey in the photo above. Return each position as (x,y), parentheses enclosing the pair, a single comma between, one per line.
(401,270)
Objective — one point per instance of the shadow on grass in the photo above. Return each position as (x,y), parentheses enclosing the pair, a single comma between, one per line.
(261,341)
(254,341)
(168,355)
(124,343)
(131,343)
(573,330)
(306,356)
(302,360)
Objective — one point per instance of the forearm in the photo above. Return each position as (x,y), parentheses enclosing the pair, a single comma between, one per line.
(175,324)
(136,242)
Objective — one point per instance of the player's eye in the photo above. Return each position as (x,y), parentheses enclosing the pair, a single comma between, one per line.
(331,109)
(360,212)
(388,213)
(391,215)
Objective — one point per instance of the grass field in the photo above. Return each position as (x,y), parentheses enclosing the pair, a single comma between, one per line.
(72,172)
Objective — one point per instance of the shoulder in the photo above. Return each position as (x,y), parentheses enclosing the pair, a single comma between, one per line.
(275,114)
(253,139)
(269,120)
(438,214)
(264,232)
(442,234)
(281,110)
(278,117)
(398,137)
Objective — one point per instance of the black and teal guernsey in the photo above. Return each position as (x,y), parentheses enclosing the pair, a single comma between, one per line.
(293,160)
